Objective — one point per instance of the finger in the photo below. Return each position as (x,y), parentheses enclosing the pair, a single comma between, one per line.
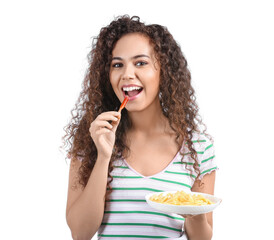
(102,131)
(103,124)
(106,116)
(115,124)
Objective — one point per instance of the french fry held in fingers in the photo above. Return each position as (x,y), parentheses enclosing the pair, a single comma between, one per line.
(181,198)
(123,104)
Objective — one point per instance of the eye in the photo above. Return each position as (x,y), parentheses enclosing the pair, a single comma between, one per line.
(117,65)
(141,63)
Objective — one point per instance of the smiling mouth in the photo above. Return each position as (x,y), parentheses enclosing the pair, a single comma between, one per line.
(133,92)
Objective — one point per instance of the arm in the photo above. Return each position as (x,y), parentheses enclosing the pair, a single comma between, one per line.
(200,227)
(85,208)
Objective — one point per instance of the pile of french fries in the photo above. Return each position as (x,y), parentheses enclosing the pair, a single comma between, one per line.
(181,198)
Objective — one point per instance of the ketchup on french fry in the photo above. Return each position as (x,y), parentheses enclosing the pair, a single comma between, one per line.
(123,103)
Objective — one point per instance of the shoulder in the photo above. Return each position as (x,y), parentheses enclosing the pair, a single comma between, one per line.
(201,142)
(201,138)
(204,146)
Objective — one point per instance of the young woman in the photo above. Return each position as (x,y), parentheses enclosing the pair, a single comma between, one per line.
(155,144)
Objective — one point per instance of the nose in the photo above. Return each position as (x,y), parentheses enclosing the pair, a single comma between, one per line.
(128,72)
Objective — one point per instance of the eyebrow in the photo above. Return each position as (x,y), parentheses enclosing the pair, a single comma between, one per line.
(137,56)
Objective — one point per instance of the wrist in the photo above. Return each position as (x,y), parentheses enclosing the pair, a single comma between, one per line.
(198,218)
(198,228)
(103,159)
(103,156)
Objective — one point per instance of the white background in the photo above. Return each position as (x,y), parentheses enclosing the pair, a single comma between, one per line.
(43,59)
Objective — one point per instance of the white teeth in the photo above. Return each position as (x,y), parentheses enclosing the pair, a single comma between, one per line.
(128,89)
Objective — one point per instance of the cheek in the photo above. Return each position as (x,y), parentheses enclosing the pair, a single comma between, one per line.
(112,80)
(114,83)
(152,80)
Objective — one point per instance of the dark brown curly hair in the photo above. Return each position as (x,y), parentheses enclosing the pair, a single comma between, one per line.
(176,96)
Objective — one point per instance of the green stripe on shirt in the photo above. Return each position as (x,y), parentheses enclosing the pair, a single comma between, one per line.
(135,236)
(142,224)
(145,212)
(208,147)
(163,180)
(194,141)
(191,163)
(126,177)
(146,189)
(211,145)
(208,159)
(181,173)
(208,170)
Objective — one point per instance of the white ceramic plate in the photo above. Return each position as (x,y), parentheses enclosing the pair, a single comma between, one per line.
(181,209)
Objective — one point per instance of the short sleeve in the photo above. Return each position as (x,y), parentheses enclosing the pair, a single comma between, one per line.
(207,161)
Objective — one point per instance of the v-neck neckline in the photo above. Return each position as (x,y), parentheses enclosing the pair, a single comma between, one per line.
(151,176)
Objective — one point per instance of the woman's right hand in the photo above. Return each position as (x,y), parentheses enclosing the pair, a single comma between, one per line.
(103,133)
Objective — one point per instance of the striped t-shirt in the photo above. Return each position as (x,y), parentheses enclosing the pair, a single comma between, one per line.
(128,216)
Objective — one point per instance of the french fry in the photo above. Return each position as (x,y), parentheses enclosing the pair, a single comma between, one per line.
(123,103)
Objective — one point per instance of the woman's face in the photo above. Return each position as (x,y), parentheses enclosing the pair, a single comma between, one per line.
(135,72)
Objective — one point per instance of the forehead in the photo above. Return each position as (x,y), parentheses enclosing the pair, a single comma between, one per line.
(132,44)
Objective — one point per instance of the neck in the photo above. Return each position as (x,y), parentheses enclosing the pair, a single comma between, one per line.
(149,121)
